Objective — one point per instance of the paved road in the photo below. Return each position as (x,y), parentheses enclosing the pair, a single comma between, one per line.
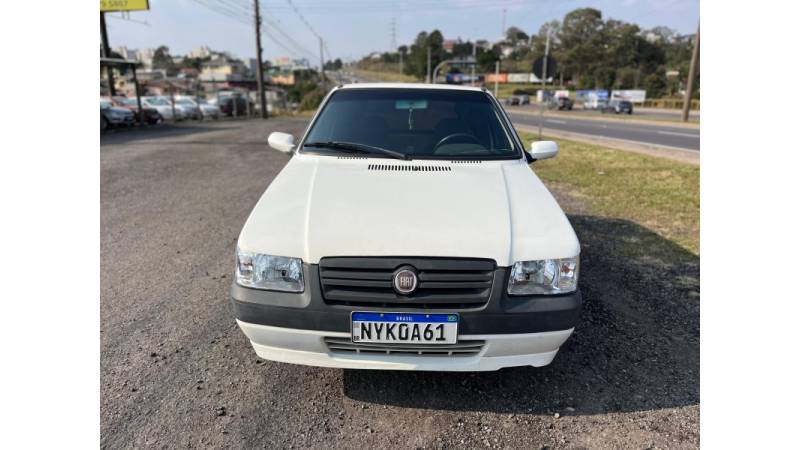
(685,138)
(177,373)
(665,115)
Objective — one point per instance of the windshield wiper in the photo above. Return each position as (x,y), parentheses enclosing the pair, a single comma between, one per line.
(354,147)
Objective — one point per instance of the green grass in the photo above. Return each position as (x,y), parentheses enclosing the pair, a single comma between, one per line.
(659,194)
(391,77)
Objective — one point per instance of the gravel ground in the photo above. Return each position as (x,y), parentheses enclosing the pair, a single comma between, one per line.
(177,372)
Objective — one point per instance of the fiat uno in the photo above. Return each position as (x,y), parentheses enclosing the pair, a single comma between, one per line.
(408,232)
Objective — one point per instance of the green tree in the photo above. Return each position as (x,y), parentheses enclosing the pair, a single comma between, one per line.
(163,60)
(515,35)
(416,63)
(581,37)
(656,85)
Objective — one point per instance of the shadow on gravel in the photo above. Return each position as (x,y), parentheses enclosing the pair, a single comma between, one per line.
(637,346)
(130,135)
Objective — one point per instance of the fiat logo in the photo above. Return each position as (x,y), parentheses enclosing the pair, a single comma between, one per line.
(405,281)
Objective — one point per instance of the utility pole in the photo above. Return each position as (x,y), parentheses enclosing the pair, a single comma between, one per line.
(544,81)
(503,31)
(322,66)
(472,71)
(394,36)
(107,54)
(262,100)
(687,98)
(496,76)
(428,72)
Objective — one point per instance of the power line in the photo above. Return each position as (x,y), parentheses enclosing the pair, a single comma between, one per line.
(244,17)
(303,19)
(391,6)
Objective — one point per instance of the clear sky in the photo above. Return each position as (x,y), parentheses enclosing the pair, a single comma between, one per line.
(353,28)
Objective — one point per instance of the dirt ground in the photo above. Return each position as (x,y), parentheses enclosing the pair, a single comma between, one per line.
(177,373)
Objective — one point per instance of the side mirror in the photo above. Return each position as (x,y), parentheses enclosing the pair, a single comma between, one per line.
(543,149)
(282,142)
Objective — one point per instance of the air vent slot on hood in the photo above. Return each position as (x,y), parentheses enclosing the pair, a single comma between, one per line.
(408,168)
(351,157)
(466,161)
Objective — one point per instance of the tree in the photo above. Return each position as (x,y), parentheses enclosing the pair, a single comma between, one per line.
(581,37)
(515,35)
(416,63)
(655,84)
(163,60)
(486,60)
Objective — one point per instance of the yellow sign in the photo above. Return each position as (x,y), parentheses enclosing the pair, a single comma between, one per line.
(124,5)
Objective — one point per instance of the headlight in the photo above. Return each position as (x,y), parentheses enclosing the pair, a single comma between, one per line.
(276,273)
(547,276)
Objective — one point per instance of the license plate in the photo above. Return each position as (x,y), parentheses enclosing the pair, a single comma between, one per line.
(404,328)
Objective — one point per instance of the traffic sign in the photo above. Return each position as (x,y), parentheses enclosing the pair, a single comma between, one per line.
(551,67)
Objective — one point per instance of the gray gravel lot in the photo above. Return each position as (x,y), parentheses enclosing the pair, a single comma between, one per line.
(176,371)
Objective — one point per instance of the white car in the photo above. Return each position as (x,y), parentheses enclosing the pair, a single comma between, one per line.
(189,108)
(408,232)
(207,110)
(164,107)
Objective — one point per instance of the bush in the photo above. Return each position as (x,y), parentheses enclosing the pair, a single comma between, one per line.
(311,100)
(524,92)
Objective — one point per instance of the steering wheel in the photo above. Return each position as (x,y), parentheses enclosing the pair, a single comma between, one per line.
(472,139)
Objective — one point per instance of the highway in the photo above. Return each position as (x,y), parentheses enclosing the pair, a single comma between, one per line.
(655,134)
(595,124)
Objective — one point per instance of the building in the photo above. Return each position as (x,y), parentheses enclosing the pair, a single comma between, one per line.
(146,57)
(127,53)
(201,52)
(223,71)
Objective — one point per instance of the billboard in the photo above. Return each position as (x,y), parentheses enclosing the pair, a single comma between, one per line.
(124,5)
(588,95)
(632,95)
(518,77)
(500,77)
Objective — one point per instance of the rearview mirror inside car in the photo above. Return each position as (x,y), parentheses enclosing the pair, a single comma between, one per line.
(543,149)
(282,142)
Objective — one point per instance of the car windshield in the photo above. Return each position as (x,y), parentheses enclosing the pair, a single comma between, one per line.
(128,101)
(157,101)
(105,104)
(184,101)
(417,123)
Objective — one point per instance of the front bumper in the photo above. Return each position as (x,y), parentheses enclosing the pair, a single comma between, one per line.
(308,347)
(294,327)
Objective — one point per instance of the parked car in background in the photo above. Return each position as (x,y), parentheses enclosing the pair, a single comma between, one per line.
(114,116)
(233,104)
(519,99)
(564,103)
(164,107)
(617,107)
(189,107)
(207,110)
(594,103)
(151,115)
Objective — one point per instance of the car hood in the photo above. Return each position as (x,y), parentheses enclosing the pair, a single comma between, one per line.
(326,206)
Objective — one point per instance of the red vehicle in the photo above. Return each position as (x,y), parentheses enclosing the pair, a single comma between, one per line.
(151,116)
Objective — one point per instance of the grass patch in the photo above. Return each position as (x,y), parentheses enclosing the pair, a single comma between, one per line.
(391,77)
(659,194)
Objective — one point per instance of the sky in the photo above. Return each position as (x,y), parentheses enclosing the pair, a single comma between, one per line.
(351,29)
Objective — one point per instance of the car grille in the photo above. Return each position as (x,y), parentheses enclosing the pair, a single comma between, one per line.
(462,348)
(452,283)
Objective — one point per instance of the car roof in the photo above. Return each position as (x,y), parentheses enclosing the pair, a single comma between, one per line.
(450,87)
